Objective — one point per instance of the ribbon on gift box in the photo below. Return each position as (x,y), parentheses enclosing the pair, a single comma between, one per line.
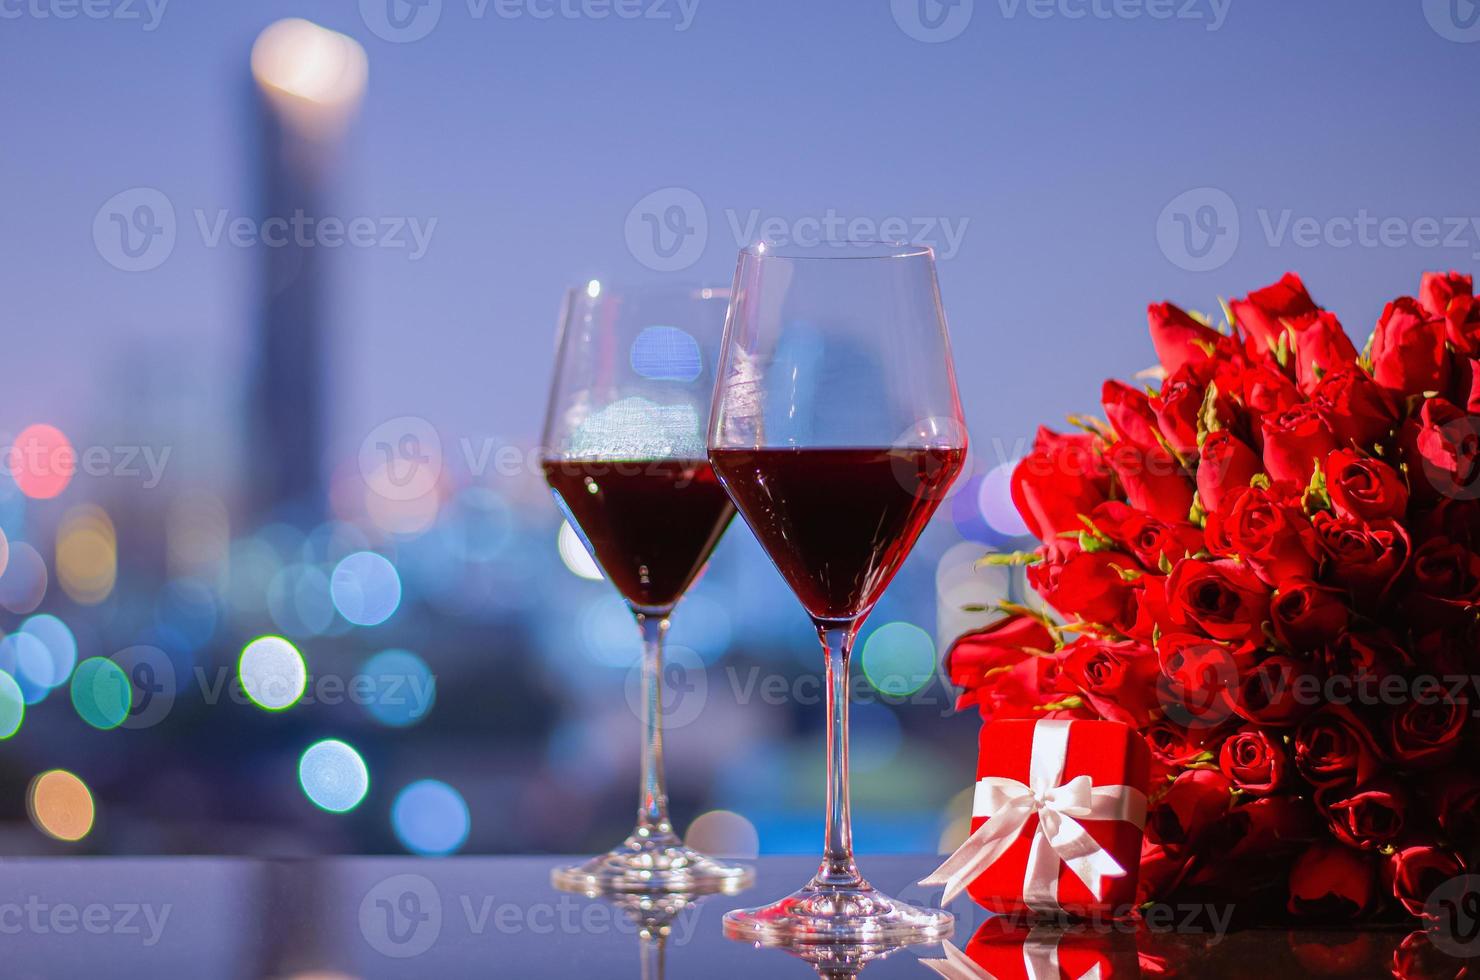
(1059,837)
(1040,960)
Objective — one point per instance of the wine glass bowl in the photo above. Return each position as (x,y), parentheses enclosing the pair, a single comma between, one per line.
(837,430)
(624,453)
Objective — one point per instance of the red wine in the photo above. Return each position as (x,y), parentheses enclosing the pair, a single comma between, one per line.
(651,524)
(837,522)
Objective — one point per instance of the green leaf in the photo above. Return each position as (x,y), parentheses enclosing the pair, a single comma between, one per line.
(1316,498)
(1012,558)
(1207,414)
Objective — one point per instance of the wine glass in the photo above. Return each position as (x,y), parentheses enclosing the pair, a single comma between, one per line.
(624,453)
(837,430)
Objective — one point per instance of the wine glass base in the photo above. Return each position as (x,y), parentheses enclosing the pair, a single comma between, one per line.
(836,914)
(641,864)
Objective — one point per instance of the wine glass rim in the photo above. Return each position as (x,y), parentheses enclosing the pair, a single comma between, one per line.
(597,288)
(839,248)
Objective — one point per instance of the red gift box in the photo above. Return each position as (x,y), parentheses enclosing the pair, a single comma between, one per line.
(1056,823)
(1016,951)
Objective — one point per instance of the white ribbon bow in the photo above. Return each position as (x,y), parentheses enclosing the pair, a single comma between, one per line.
(1059,837)
(1040,960)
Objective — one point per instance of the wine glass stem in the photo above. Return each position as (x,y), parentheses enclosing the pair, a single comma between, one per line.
(652,815)
(837,868)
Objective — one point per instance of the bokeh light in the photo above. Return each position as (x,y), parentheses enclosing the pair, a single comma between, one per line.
(298,600)
(4,551)
(61,648)
(12,706)
(723,833)
(574,555)
(333,776)
(994,498)
(272,673)
(60,805)
(430,817)
(666,354)
(898,659)
(365,588)
(87,554)
(23,585)
(42,461)
(101,693)
(27,660)
(397,686)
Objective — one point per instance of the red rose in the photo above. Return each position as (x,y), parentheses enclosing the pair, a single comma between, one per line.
(1365,657)
(1277,692)
(1227,465)
(1199,679)
(1254,761)
(1004,643)
(1263,312)
(1264,391)
(1194,802)
(1365,558)
(1364,488)
(1307,616)
(1320,348)
(1086,584)
(1295,440)
(1408,356)
(1456,800)
(1064,476)
(1451,298)
(1413,873)
(1444,576)
(1440,289)
(1223,599)
(1359,411)
(1177,409)
(1153,542)
(1332,881)
(1175,746)
(1267,531)
(1370,817)
(1178,338)
(1333,746)
(1447,442)
(1130,414)
(1117,679)
(1153,480)
(1425,731)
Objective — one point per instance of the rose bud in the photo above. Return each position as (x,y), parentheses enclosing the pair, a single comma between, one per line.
(1130,414)
(1189,808)
(1266,530)
(1199,679)
(1005,642)
(1330,881)
(1320,347)
(1368,818)
(1408,356)
(1178,338)
(1254,761)
(1117,679)
(1085,584)
(1359,411)
(1332,747)
(1227,465)
(1177,409)
(1153,542)
(1153,480)
(1295,440)
(1063,477)
(1364,558)
(1223,599)
(1307,616)
(1439,289)
(1262,313)
(1175,746)
(1425,731)
(1446,442)
(1265,392)
(1413,873)
(1277,692)
(1364,488)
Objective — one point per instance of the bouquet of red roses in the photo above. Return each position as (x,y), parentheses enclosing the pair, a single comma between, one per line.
(1269,565)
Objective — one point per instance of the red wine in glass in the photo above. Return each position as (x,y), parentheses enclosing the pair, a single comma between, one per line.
(837,522)
(651,524)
